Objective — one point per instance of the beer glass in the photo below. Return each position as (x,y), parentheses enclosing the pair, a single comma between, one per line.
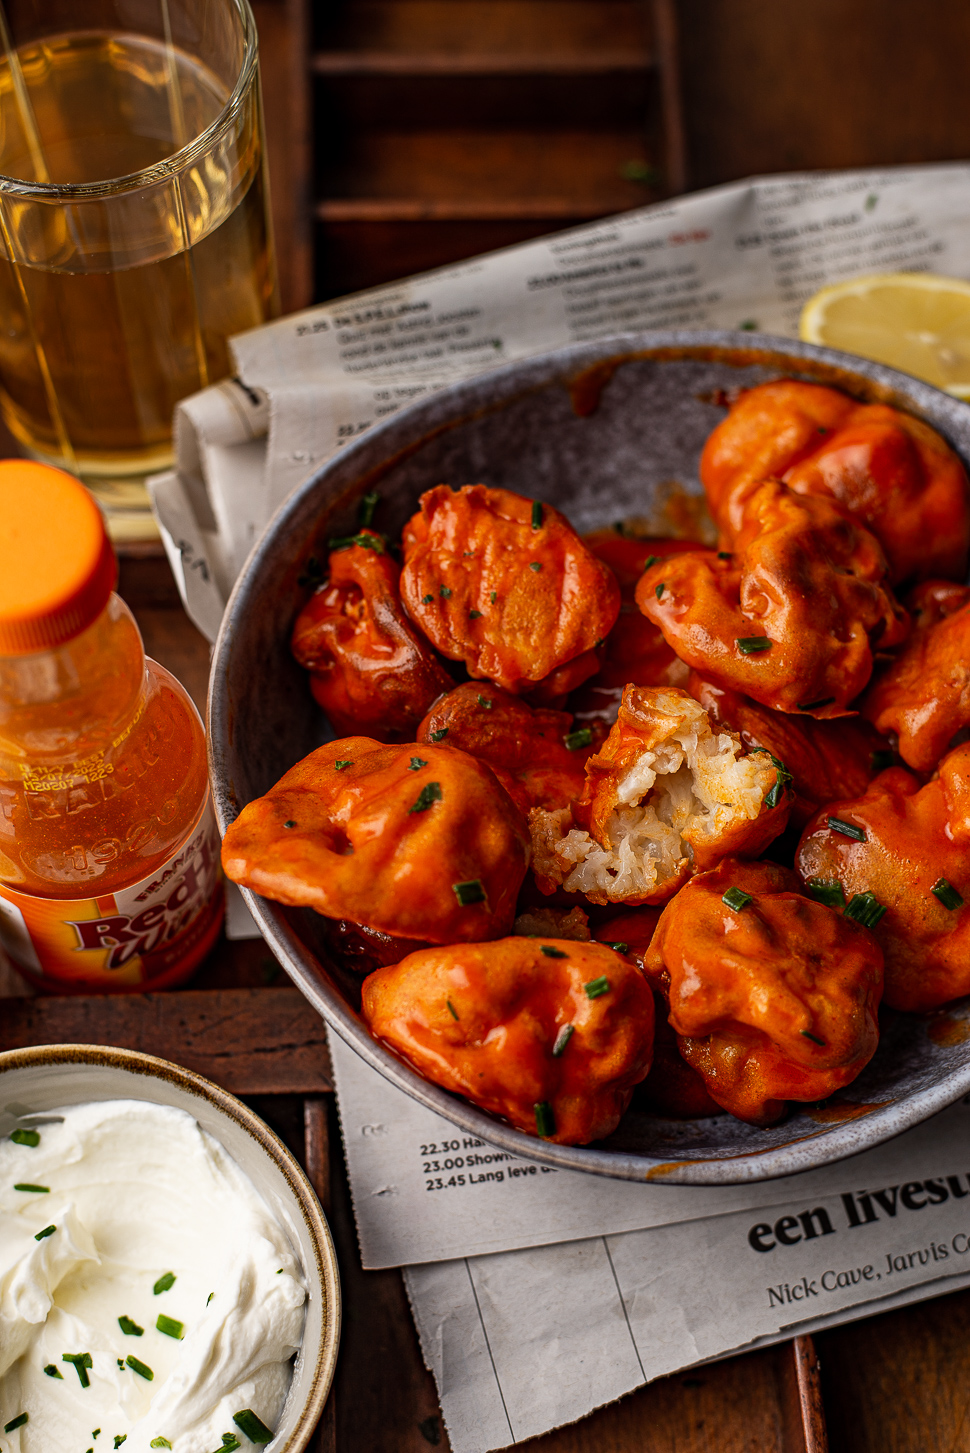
(135,235)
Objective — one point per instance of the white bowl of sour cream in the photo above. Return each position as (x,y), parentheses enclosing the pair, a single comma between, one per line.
(167,1278)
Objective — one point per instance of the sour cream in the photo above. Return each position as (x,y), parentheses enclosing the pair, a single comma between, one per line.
(162,1259)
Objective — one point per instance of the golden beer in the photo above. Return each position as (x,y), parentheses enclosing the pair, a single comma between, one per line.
(134,241)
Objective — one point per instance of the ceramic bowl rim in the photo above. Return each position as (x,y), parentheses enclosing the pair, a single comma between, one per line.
(326,1272)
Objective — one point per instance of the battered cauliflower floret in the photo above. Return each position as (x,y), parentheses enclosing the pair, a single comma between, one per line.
(666,797)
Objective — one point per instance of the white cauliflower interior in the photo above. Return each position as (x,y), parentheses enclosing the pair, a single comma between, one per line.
(690,788)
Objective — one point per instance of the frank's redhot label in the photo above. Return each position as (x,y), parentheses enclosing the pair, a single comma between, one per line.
(150,935)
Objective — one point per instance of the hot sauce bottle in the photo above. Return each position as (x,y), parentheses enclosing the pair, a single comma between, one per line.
(109,853)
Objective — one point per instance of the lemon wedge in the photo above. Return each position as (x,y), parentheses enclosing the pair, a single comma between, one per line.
(918,322)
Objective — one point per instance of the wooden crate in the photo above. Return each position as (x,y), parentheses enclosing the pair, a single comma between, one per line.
(443,128)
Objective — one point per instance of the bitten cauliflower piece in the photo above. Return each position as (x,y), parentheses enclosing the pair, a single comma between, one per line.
(665,797)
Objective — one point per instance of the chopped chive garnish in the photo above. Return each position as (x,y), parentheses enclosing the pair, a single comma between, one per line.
(775,794)
(947,894)
(430,792)
(121,1363)
(828,891)
(25,1137)
(439,735)
(170,1327)
(159,1443)
(16,1422)
(130,1328)
(140,1368)
(342,763)
(451,1009)
(545,1119)
(53,1371)
(416,764)
(847,829)
(493,596)
(229,1442)
(167,1280)
(751,645)
(209,1298)
(470,892)
(581,737)
(368,505)
(474,615)
(651,560)
(782,780)
(816,705)
(82,1361)
(254,1428)
(536,515)
(45,1190)
(724,554)
(534,565)
(736,899)
(660,589)
(879,761)
(552,953)
(289,822)
(486,701)
(96,1433)
(47,1231)
(813,1037)
(366,542)
(120,1438)
(427,599)
(783,777)
(865,908)
(562,1039)
(445,591)
(620,948)
(596,987)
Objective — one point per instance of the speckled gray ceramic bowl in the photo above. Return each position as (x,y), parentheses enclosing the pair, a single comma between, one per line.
(602,430)
(36,1080)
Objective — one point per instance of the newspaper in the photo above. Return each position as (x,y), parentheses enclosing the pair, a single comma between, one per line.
(741,256)
(540,1295)
(424,1190)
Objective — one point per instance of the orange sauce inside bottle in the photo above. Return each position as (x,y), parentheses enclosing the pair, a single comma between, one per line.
(102,763)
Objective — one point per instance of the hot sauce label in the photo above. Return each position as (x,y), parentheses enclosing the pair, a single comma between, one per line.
(150,934)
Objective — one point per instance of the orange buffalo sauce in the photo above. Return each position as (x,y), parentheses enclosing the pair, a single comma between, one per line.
(109,877)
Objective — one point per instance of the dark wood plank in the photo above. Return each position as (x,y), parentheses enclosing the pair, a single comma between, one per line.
(249,1041)
(317,1135)
(479,63)
(801,1398)
(900,1382)
(667,53)
(457,27)
(824,83)
(284,37)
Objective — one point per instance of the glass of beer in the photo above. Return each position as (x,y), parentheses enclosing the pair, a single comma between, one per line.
(135,234)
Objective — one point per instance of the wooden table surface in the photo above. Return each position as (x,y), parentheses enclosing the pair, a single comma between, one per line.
(894,1383)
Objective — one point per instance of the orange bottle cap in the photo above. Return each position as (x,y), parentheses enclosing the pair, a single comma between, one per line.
(57,567)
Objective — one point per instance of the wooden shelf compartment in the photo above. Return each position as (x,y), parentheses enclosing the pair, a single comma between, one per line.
(449,127)
(498,27)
